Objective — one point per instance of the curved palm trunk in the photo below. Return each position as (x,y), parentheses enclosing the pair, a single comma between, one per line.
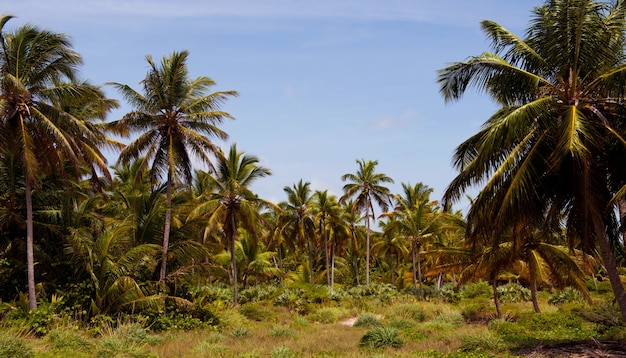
(311,266)
(332,264)
(609,264)
(326,258)
(233,256)
(496,299)
(419,272)
(30,259)
(166,230)
(413,266)
(367,245)
(533,287)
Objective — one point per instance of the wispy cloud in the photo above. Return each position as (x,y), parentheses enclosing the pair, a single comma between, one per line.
(459,12)
(391,122)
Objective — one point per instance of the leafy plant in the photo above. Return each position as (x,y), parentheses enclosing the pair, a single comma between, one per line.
(369,320)
(381,338)
(14,347)
(280,331)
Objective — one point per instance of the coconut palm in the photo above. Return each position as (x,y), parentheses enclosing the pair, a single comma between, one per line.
(327,214)
(297,223)
(38,71)
(367,187)
(416,218)
(175,118)
(233,204)
(555,146)
(390,245)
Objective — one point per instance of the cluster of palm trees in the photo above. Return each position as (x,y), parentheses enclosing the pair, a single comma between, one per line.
(141,231)
(152,226)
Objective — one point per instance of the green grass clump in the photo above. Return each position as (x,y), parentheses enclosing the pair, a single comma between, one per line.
(410,312)
(381,338)
(14,347)
(282,352)
(280,331)
(67,340)
(327,315)
(369,320)
(482,342)
(240,332)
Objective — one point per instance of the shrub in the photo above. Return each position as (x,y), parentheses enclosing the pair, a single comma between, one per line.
(402,323)
(482,342)
(381,338)
(14,347)
(369,320)
(513,292)
(257,293)
(409,311)
(327,314)
(239,332)
(64,339)
(255,312)
(476,289)
(280,331)
(567,295)
(282,352)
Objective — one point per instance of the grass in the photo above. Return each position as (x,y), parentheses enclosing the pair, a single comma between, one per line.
(401,328)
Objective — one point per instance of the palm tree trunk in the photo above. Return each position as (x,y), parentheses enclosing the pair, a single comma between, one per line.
(367,246)
(533,294)
(326,255)
(30,258)
(609,264)
(233,255)
(496,300)
(413,266)
(419,272)
(332,264)
(166,230)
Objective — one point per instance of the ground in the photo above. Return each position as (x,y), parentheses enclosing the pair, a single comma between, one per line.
(591,348)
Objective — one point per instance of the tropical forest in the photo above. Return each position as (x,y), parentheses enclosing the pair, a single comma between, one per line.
(164,249)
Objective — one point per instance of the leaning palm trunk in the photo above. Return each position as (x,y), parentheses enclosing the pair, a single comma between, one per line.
(233,254)
(609,265)
(367,245)
(30,260)
(166,231)
(419,272)
(496,299)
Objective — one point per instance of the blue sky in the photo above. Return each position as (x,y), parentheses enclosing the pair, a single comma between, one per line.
(322,83)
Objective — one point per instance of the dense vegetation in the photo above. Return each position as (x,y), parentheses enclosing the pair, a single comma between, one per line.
(152,243)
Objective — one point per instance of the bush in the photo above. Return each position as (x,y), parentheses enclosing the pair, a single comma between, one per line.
(240,332)
(369,320)
(68,340)
(14,347)
(476,289)
(381,338)
(410,312)
(282,352)
(481,343)
(567,295)
(327,315)
(255,312)
(513,292)
(280,331)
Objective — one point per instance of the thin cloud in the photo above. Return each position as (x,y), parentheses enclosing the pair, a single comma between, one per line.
(464,13)
(391,122)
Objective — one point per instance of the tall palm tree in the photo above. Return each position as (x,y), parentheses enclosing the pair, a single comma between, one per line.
(367,186)
(38,70)
(416,218)
(327,212)
(556,145)
(297,221)
(233,203)
(175,118)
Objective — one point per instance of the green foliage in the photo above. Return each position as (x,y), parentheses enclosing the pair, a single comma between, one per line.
(381,338)
(328,314)
(482,342)
(447,294)
(256,312)
(368,320)
(210,349)
(67,340)
(240,332)
(280,331)
(186,318)
(409,311)
(127,340)
(543,328)
(475,290)
(401,324)
(14,347)
(210,294)
(513,292)
(472,309)
(567,295)
(257,293)
(282,352)
(385,293)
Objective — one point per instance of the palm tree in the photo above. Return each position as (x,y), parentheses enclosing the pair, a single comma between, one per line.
(416,218)
(174,118)
(38,71)
(297,221)
(556,144)
(233,203)
(327,212)
(366,186)
(391,246)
